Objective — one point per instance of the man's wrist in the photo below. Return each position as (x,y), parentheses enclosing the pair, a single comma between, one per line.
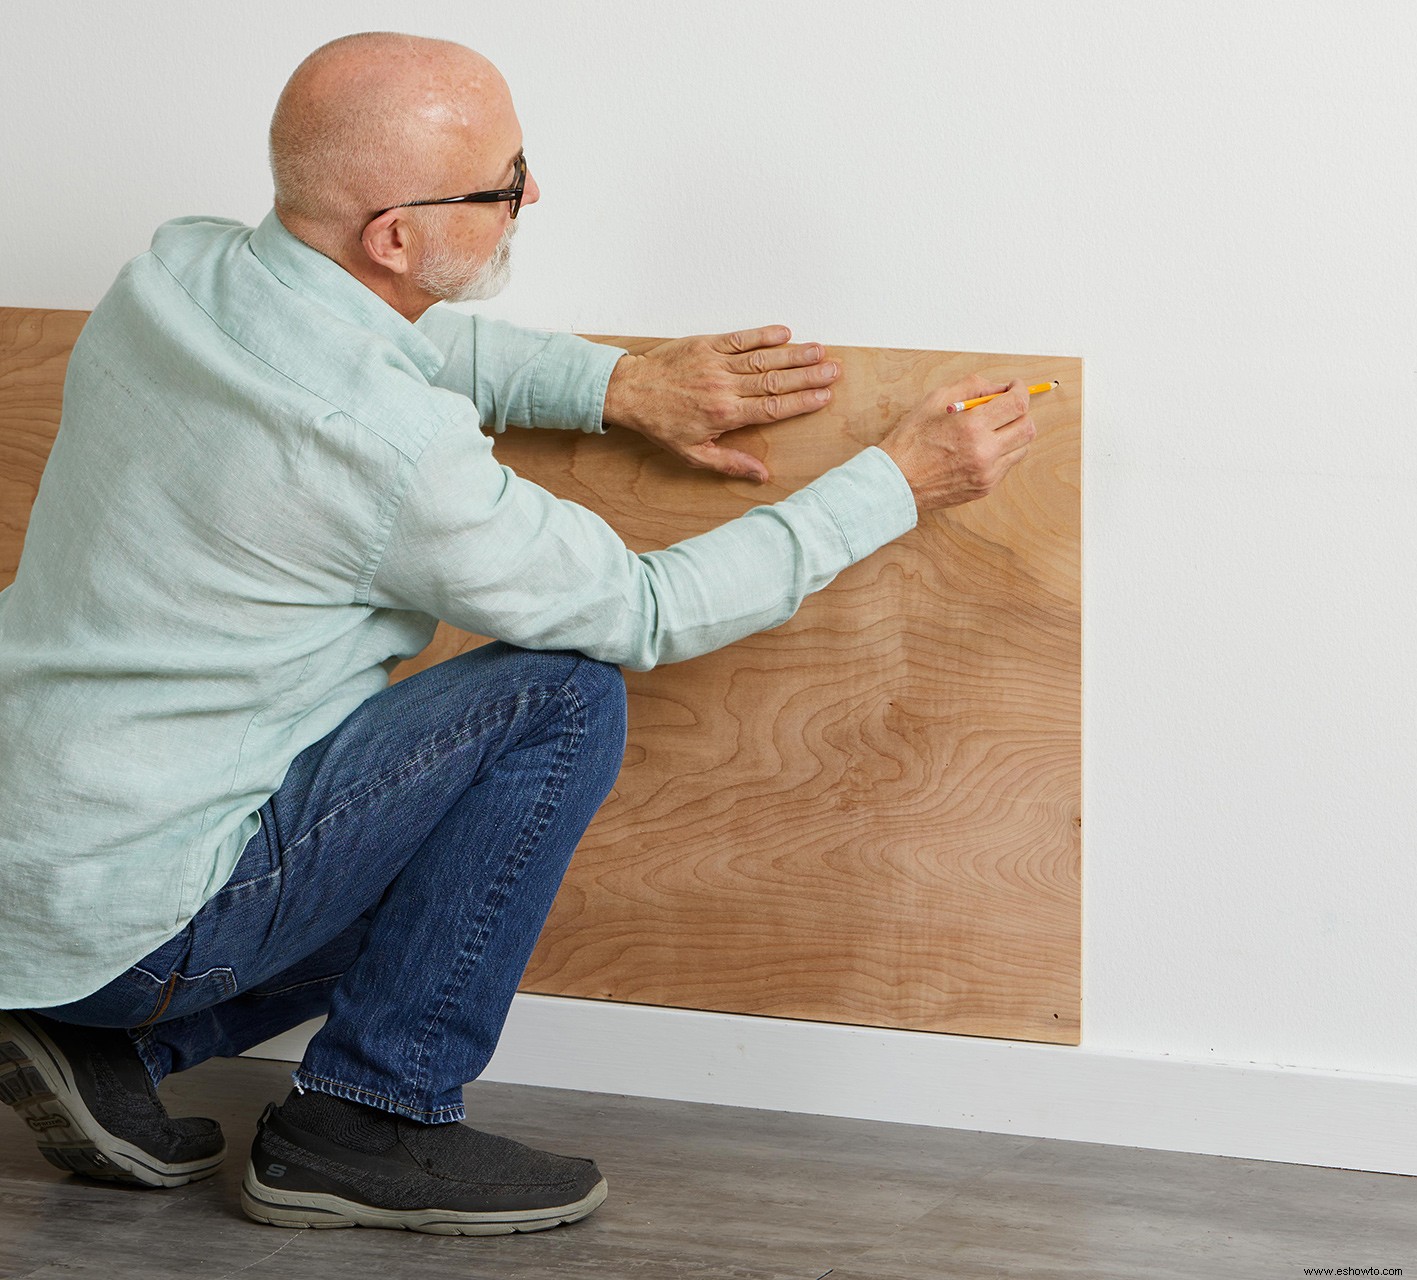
(900,458)
(622,394)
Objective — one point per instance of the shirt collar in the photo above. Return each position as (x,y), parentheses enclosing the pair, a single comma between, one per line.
(296,265)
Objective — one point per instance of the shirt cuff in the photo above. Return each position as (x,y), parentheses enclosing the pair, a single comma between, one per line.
(571,379)
(870,501)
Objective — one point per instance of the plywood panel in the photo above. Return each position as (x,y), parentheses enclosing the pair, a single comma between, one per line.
(870,814)
(34,352)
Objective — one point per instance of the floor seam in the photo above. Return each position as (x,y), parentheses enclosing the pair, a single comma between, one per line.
(955,1186)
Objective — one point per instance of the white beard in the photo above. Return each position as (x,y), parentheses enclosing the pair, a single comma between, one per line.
(450,278)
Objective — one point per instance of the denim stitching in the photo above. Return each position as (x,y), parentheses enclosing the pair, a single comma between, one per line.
(540,815)
(343,1090)
(252,994)
(186,977)
(538,819)
(232,885)
(411,764)
(174,980)
(527,839)
(143,1044)
(160,1002)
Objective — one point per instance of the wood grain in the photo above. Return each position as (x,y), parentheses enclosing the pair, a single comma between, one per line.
(869,814)
(34,353)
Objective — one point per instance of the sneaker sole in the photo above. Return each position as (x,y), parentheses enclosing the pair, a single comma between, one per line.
(319,1210)
(36,1080)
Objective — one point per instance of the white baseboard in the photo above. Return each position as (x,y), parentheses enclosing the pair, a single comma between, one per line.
(1296,1116)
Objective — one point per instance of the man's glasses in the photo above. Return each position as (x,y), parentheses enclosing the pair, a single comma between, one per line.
(512,194)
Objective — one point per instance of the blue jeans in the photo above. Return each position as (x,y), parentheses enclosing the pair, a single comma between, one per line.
(398,883)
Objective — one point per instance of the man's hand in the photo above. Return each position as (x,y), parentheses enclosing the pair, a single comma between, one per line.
(953,458)
(685,394)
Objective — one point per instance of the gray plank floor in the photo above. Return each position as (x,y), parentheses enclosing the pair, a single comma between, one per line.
(702,1191)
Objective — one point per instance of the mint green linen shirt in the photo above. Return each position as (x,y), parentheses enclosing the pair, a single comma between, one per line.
(266,488)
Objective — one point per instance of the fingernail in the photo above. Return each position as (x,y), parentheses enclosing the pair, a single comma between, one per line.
(823,395)
(831,370)
(814,353)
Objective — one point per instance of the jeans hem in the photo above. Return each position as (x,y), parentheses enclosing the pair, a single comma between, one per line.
(304,1080)
(157,1070)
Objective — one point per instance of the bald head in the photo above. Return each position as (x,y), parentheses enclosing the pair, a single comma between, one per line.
(376,119)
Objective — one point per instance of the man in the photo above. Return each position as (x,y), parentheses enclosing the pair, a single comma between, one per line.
(270,481)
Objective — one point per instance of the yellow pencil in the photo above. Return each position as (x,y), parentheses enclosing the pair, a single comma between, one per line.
(960,406)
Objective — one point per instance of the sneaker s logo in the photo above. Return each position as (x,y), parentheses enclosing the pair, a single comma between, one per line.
(275,1171)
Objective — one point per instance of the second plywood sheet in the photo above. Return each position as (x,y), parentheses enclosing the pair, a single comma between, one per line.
(870,814)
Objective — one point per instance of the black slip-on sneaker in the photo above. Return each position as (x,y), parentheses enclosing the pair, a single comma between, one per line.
(92,1108)
(366,1168)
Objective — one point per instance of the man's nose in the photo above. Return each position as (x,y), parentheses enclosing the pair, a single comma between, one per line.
(532,193)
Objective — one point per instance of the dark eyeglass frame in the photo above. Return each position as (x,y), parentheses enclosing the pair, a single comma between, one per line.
(513,194)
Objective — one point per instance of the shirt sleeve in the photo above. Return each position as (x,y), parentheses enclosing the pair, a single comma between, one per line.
(521,377)
(477,546)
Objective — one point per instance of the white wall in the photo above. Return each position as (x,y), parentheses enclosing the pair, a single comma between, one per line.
(1210,202)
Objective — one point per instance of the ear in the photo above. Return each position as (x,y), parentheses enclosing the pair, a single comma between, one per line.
(388,241)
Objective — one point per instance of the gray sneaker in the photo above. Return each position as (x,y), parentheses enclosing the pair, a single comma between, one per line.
(92,1108)
(347,1165)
